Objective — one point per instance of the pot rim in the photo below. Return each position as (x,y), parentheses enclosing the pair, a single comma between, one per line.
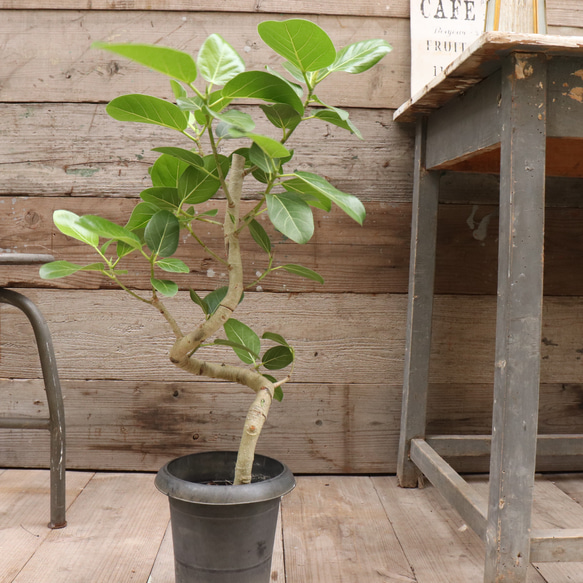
(194,492)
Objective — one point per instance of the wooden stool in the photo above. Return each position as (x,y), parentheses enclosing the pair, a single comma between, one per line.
(56,420)
(513,104)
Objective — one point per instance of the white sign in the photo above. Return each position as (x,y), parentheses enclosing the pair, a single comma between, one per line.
(440,31)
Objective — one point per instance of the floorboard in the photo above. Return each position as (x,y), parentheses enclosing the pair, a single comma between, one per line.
(340,529)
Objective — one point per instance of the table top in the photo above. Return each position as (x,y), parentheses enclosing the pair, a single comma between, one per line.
(477,62)
(24,258)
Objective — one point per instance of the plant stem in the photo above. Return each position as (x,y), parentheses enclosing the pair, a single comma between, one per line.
(182,353)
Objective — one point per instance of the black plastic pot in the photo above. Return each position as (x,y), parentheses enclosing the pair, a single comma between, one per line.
(222,533)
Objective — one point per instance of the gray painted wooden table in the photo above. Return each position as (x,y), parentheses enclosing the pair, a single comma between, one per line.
(55,422)
(513,104)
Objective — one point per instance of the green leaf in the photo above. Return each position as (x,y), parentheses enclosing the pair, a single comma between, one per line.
(335,117)
(241,334)
(209,213)
(277,393)
(260,236)
(271,147)
(218,62)
(68,223)
(291,216)
(164,286)
(282,116)
(265,86)
(108,230)
(147,109)
(163,197)
(213,299)
(239,350)
(181,154)
(240,120)
(275,338)
(278,357)
(199,301)
(166,171)
(360,56)
(302,271)
(162,234)
(347,202)
(141,215)
(260,159)
(178,89)
(196,186)
(307,193)
(171,62)
(301,42)
(56,269)
(172,265)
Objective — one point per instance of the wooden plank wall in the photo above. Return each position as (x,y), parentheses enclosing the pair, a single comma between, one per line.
(127,407)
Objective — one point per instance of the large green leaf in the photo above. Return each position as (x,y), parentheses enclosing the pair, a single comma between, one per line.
(108,230)
(196,186)
(360,56)
(278,357)
(218,62)
(171,62)
(241,334)
(141,215)
(309,194)
(162,234)
(291,216)
(301,42)
(259,158)
(166,171)
(282,116)
(347,202)
(262,85)
(163,197)
(56,269)
(68,223)
(147,109)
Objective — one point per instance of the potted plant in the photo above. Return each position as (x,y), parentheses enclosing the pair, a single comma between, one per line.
(211,487)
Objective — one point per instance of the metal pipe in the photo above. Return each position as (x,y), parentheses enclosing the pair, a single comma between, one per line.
(54,399)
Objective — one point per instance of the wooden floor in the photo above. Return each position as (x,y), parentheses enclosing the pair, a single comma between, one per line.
(335,529)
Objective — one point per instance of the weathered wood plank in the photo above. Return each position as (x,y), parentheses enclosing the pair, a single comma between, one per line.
(335,428)
(365,343)
(439,546)
(163,568)
(24,514)
(115,530)
(70,71)
(399,8)
(370,259)
(349,529)
(349,257)
(90,154)
(115,329)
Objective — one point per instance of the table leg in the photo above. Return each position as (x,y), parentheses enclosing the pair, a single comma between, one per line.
(519,316)
(419,310)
